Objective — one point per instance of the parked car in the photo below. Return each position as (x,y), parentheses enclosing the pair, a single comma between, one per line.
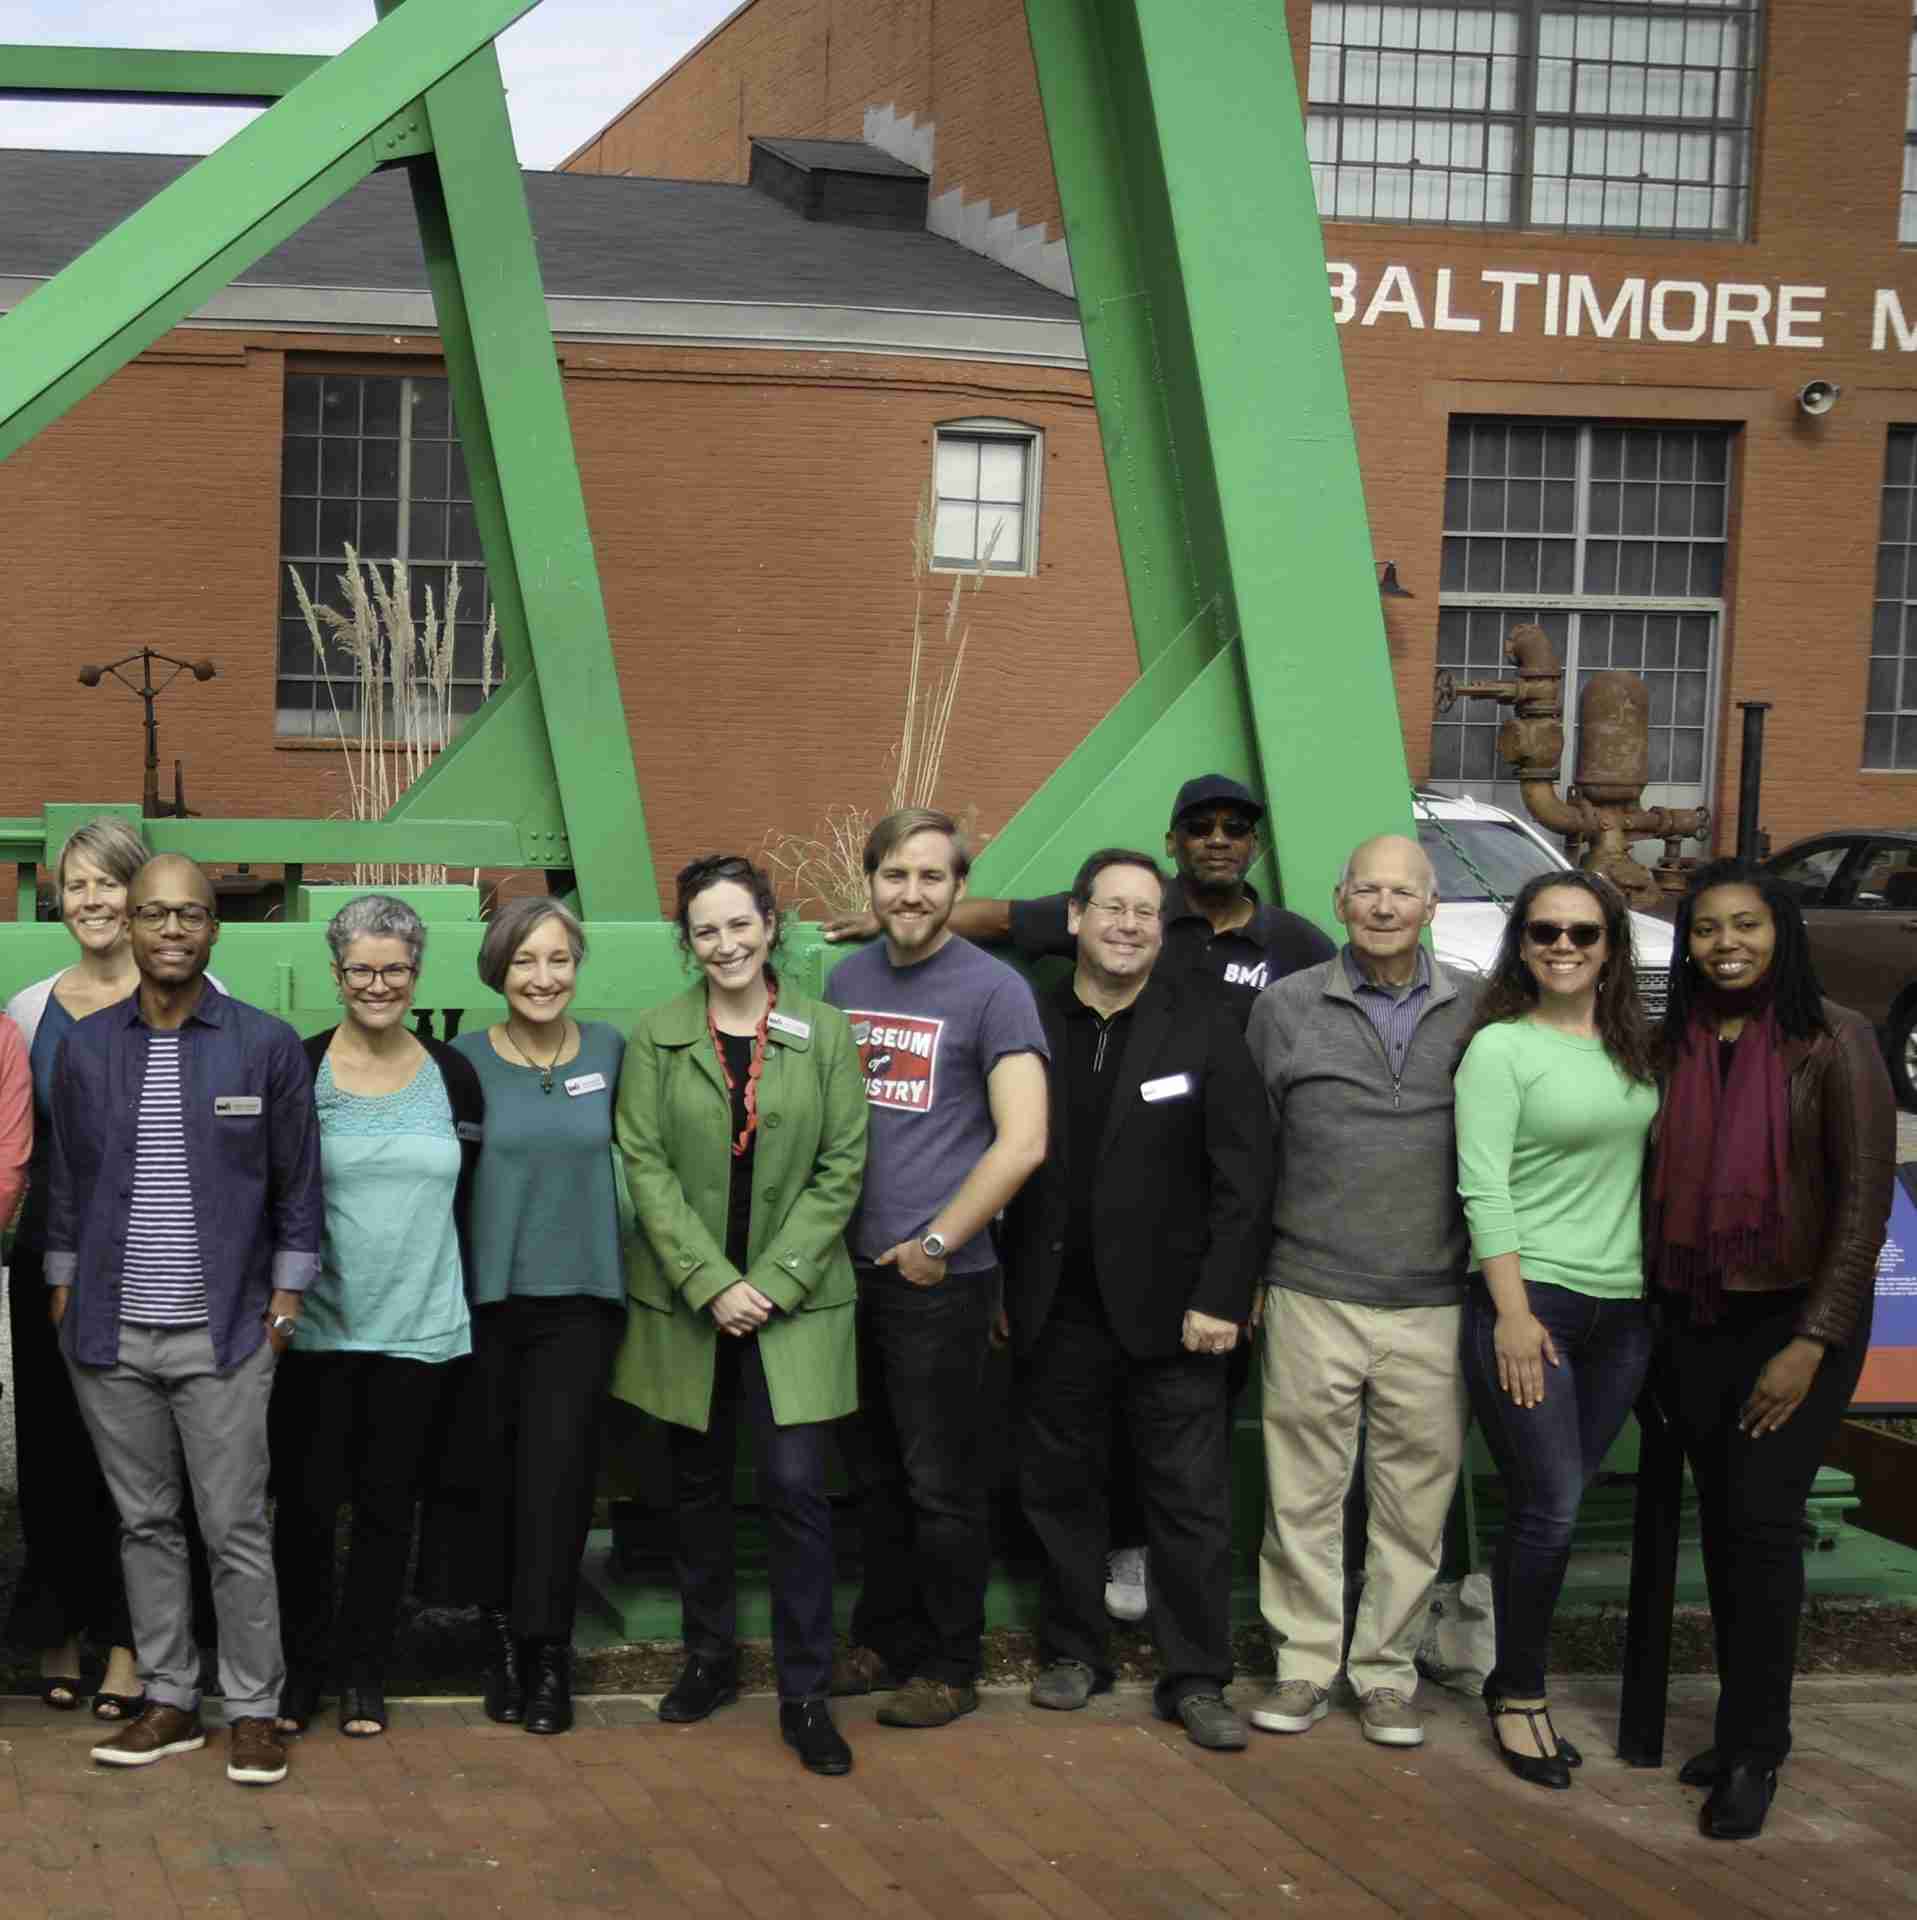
(1858,890)
(1483,856)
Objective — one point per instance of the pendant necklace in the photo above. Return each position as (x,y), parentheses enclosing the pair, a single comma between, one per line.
(544,1072)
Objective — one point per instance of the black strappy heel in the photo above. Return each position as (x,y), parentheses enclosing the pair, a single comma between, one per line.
(1534,1769)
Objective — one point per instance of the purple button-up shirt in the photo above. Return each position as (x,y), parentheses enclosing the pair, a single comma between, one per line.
(252,1155)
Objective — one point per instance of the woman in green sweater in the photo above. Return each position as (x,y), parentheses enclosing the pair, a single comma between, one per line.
(742,1120)
(1555,1097)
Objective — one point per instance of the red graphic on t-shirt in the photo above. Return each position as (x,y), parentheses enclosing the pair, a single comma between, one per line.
(899,1055)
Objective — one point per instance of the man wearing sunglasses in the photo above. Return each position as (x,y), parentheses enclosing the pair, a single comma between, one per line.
(1366,1284)
(183,1226)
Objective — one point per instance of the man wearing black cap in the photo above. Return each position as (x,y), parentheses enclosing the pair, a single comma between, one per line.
(1215,924)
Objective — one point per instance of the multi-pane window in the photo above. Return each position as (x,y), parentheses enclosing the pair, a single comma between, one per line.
(1890,704)
(1907,205)
(985,509)
(1610,538)
(1627,115)
(373,461)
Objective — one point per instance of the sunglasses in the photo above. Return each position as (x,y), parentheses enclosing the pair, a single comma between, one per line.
(1201,826)
(1547,933)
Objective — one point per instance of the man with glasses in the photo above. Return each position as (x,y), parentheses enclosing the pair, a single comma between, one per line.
(1366,1279)
(1130,1261)
(183,1227)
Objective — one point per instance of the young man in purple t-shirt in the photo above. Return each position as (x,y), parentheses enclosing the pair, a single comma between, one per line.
(954,1058)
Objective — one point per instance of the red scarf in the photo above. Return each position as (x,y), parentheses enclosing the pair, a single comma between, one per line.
(1723,1155)
(753,1071)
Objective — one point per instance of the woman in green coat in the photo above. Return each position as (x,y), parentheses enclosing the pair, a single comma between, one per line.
(742,1121)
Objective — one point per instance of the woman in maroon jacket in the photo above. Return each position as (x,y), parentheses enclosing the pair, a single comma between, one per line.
(1770,1194)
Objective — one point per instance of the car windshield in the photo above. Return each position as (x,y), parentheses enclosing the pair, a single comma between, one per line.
(1504,855)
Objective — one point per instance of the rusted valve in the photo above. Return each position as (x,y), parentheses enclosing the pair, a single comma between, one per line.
(1601,810)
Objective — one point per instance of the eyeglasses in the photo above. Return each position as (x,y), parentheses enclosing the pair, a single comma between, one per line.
(1123,910)
(359,977)
(191,919)
(1547,933)
(1234,826)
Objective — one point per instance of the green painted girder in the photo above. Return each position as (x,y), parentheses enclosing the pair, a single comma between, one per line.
(1178,145)
(141,73)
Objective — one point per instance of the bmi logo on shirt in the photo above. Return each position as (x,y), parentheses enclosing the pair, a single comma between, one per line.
(1237,974)
(898,1053)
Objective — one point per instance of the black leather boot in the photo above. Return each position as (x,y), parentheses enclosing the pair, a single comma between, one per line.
(505,1681)
(807,1726)
(548,1686)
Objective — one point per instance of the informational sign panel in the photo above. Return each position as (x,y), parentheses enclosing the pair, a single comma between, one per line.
(1889,1384)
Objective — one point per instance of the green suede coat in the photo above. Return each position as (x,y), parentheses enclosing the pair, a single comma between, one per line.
(673,1126)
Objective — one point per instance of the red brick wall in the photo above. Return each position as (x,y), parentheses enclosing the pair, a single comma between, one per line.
(753,516)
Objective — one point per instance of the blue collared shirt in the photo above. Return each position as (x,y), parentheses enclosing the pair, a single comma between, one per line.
(252,1153)
(1394,1012)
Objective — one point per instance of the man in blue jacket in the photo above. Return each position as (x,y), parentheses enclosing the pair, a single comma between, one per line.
(183,1227)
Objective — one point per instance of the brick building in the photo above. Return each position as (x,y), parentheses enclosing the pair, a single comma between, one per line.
(1584,255)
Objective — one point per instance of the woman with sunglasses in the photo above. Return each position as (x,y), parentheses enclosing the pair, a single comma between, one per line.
(1770,1194)
(1555,1096)
(742,1118)
(356,1394)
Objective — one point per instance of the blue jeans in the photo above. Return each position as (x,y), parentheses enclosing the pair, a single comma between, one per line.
(1548,1455)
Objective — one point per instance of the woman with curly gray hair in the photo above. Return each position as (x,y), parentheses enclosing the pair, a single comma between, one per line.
(353,1406)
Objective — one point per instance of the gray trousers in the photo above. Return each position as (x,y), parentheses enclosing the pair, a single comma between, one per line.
(164,1407)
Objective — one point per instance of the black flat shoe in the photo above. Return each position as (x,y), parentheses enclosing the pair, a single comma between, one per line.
(702,1687)
(365,1701)
(1700,1770)
(119,1706)
(299,1701)
(548,1686)
(1534,1769)
(52,1684)
(807,1726)
(1738,1803)
(505,1679)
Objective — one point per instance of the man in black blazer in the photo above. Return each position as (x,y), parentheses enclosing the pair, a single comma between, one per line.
(1130,1262)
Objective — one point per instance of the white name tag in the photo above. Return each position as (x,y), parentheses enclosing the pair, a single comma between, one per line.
(785,1023)
(586,1083)
(237,1103)
(1174,1086)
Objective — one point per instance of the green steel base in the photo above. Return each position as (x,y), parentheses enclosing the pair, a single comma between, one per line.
(1855,1566)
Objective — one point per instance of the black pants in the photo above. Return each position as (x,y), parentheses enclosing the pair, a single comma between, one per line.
(1173,1410)
(1750,1503)
(1126,1503)
(540,1368)
(71,1584)
(1547,1456)
(346,1429)
(798,1524)
(912,1450)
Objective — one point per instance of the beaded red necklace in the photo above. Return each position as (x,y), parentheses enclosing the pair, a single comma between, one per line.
(753,1071)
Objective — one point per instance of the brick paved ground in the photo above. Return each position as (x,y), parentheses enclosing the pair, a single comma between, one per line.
(1013,1815)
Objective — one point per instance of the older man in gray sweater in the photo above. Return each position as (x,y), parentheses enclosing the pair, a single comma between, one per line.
(1366,1278)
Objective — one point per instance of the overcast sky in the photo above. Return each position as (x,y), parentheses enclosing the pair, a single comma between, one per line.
(570,65)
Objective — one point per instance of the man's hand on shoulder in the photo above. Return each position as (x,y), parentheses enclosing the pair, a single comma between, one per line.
(862,924)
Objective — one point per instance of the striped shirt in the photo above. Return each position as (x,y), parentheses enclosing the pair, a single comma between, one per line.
(1394,1011)
(161,1284)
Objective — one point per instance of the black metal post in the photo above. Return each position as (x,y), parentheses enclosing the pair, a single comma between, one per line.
(149,693)
(1647,1628)
(1750,778)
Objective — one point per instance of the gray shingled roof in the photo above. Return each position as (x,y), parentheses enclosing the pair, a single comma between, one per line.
(603,236)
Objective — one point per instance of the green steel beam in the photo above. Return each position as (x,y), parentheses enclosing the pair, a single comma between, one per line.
(140,73)
(196,234)
(1178,145)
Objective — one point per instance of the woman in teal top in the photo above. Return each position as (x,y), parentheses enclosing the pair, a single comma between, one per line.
(549,1301)
(356,1396)
(1555,1097)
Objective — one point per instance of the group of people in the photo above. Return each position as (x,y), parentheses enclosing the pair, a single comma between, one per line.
(1442,1196)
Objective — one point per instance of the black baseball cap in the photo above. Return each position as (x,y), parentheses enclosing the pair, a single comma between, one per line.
(1213,789)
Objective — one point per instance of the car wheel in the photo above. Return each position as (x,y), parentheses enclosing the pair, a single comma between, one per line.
(1903,1053)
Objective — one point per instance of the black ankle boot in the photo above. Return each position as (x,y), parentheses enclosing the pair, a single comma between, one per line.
(505,1681)
(548,1686)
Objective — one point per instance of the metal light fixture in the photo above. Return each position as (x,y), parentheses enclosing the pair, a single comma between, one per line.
(146,692)
(1388,587)
(1818,396)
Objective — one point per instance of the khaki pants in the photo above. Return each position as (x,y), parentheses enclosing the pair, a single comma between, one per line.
(1324,1362)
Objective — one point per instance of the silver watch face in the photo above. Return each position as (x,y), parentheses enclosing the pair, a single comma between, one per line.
(933,1246)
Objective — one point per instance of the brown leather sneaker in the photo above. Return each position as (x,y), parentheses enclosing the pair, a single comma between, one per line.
(157,1732)
(860,1670)
(924,1702)
(255,1753)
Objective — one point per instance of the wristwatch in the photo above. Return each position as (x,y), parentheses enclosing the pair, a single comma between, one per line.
(283,1324)
(933,1246)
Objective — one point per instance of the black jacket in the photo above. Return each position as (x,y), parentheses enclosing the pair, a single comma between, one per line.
(1182,1202)
(468,1102)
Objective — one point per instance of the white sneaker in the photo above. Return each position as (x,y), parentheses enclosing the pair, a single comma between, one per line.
(1291,1706)
(1125,1584)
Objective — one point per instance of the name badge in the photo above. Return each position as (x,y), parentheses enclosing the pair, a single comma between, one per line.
(237,1104)
(469,1130)
(785,1023)
(1174,1086)
(586,1083)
